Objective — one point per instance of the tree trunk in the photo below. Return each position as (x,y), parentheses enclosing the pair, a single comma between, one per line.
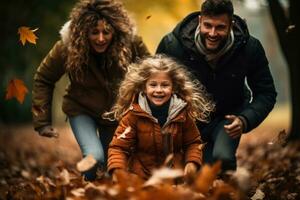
(288,36)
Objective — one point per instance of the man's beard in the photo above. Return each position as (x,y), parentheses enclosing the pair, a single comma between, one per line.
(222,43)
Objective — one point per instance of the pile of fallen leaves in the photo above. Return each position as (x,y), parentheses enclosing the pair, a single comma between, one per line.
(30,169)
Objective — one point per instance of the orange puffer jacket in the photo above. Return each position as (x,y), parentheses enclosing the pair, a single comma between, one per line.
(141,145)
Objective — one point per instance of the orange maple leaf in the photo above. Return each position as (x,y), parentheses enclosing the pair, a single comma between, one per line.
(27,35)
(17,89)
(206,177)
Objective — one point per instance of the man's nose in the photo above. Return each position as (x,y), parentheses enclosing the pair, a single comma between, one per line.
(212,32)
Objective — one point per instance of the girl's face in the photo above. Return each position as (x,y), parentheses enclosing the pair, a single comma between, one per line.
(100,36)
(159,88)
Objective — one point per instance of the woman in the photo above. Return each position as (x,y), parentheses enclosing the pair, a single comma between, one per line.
(96,47)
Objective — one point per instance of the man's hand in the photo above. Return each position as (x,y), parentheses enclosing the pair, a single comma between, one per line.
(236,126)
(48,131)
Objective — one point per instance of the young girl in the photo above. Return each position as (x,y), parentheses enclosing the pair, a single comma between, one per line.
(156,106)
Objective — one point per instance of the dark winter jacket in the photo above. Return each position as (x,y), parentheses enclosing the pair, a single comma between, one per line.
(246,60)
(141,145)
(93,96)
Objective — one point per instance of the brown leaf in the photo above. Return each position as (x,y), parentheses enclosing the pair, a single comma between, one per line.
(206,177)
(148,17)
(64,176)
(27,35)
(78,192)
(17,89)
(163,174)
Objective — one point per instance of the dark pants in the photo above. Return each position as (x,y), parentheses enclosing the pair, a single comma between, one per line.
(220,146)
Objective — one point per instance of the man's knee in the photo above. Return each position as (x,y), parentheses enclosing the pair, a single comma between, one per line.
(228,159)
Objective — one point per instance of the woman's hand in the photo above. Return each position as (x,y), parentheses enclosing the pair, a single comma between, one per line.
(48,131)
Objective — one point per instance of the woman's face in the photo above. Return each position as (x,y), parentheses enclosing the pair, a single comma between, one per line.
(100,36)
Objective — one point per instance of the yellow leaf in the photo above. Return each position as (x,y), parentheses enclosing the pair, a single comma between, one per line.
(17,89)
(27,35)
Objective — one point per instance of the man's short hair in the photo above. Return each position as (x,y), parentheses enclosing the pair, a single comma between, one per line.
(217,7)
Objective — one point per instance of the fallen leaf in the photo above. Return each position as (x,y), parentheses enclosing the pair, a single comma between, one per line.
(259,195)
(17,89)
(64,176)
(206,177)
(86,163)
(27,35)
(79,192)
(162,174)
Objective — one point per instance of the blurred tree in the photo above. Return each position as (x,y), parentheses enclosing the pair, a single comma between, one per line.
(287,28)
(21,61)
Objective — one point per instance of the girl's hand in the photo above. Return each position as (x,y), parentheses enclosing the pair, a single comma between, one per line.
(190,169)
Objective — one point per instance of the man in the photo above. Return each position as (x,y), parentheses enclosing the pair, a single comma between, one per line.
(216,47)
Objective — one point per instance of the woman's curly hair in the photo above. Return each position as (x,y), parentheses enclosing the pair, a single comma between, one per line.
(83,17)
(189,89)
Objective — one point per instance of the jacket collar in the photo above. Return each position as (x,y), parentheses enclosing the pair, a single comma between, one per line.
(141,107)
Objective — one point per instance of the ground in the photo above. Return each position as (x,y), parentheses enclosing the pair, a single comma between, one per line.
(35,167)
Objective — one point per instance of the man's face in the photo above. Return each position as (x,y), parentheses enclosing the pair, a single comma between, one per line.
(214,31)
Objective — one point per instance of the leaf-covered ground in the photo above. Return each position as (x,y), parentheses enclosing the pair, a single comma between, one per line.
(34,167)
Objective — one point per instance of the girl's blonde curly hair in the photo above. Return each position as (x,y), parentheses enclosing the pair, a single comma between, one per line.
(84,16)
(190,90)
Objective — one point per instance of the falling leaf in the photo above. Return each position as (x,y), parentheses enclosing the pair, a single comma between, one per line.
(148,17)
(27,35)
(206,177)
(86,163)
(16,88)
(163,174)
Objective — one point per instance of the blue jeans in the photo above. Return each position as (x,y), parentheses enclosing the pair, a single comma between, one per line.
(85,130)
(220,146)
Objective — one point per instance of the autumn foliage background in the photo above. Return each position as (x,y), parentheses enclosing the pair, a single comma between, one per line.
(30,164)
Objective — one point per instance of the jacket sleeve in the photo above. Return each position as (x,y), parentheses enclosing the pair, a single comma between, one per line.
(122,143)
(48,73)
(191,142)
(140,50)
(261,84)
